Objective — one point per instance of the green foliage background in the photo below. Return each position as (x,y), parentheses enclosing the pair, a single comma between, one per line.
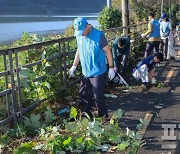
(138,9)
(109,18)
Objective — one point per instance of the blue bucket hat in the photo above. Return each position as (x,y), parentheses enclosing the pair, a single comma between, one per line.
(79,25)
(164,15)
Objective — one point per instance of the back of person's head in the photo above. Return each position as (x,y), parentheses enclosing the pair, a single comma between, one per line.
(159,56)
(121,42)
(151,14)
(164,15)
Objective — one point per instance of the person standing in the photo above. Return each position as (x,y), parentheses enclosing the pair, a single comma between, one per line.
(154,35)
(120,51)
(92,49)
(165,31)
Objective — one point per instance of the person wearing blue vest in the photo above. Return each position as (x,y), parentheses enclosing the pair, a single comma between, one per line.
(120,51)
(92,50)
(154,35)
(165,30)
(145,69)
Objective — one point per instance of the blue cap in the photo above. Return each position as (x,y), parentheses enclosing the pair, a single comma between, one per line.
(79,25)
(164,15)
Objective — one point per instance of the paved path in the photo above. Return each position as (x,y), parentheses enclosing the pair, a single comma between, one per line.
(163,103)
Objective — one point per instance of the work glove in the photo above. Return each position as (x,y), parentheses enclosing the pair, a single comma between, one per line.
(163,35)
(71,71)
(142,35)
(153,80)
(111,73)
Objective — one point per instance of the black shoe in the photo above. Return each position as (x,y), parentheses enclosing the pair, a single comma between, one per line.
(146,85)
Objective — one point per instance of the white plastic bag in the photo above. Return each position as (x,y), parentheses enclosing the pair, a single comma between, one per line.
(171,50)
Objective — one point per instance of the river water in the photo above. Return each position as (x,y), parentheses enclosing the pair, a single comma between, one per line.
(12,27)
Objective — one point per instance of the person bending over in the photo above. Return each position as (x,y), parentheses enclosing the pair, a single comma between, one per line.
(120,51)
(145,69)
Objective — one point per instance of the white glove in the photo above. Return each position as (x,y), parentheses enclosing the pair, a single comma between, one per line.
(163,35)
(142,35)
(153,80)
(115,69)
(111,73)
(72,70)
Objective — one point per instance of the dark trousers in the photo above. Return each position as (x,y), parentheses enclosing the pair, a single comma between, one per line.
(164,47)
(150,46)
(95,86)
(122,61)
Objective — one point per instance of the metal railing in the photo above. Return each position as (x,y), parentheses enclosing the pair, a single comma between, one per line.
(11,91)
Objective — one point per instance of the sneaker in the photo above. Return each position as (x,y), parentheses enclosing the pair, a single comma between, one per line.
(146,85)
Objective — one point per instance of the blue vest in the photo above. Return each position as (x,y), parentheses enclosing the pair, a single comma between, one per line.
(92,57)
(165,28)
(149,61)
(155,29)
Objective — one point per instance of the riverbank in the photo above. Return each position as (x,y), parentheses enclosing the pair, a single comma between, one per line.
(41,33)
(12,27)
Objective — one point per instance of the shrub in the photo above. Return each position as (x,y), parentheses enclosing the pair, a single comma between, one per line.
(109,18)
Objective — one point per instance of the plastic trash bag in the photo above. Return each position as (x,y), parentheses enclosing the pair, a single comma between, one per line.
(171,50)
(62,111)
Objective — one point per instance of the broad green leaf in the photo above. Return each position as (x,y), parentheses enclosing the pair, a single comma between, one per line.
(26,72)
(49,116)
(123,145)
(85,122)
(71,126)
(130,133)
(111,121)
(25,148)
(73,112)
(24,83)
(109,127)
(65,121)
(138,136)
(132,152)
(66,142)
(160,85)
(90,145)
(79,140)
(97,128)
(35,120)
(3,139)
(80,143)
(27,121)
(118,114)
(139,126)
(136,143)
(114,138)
